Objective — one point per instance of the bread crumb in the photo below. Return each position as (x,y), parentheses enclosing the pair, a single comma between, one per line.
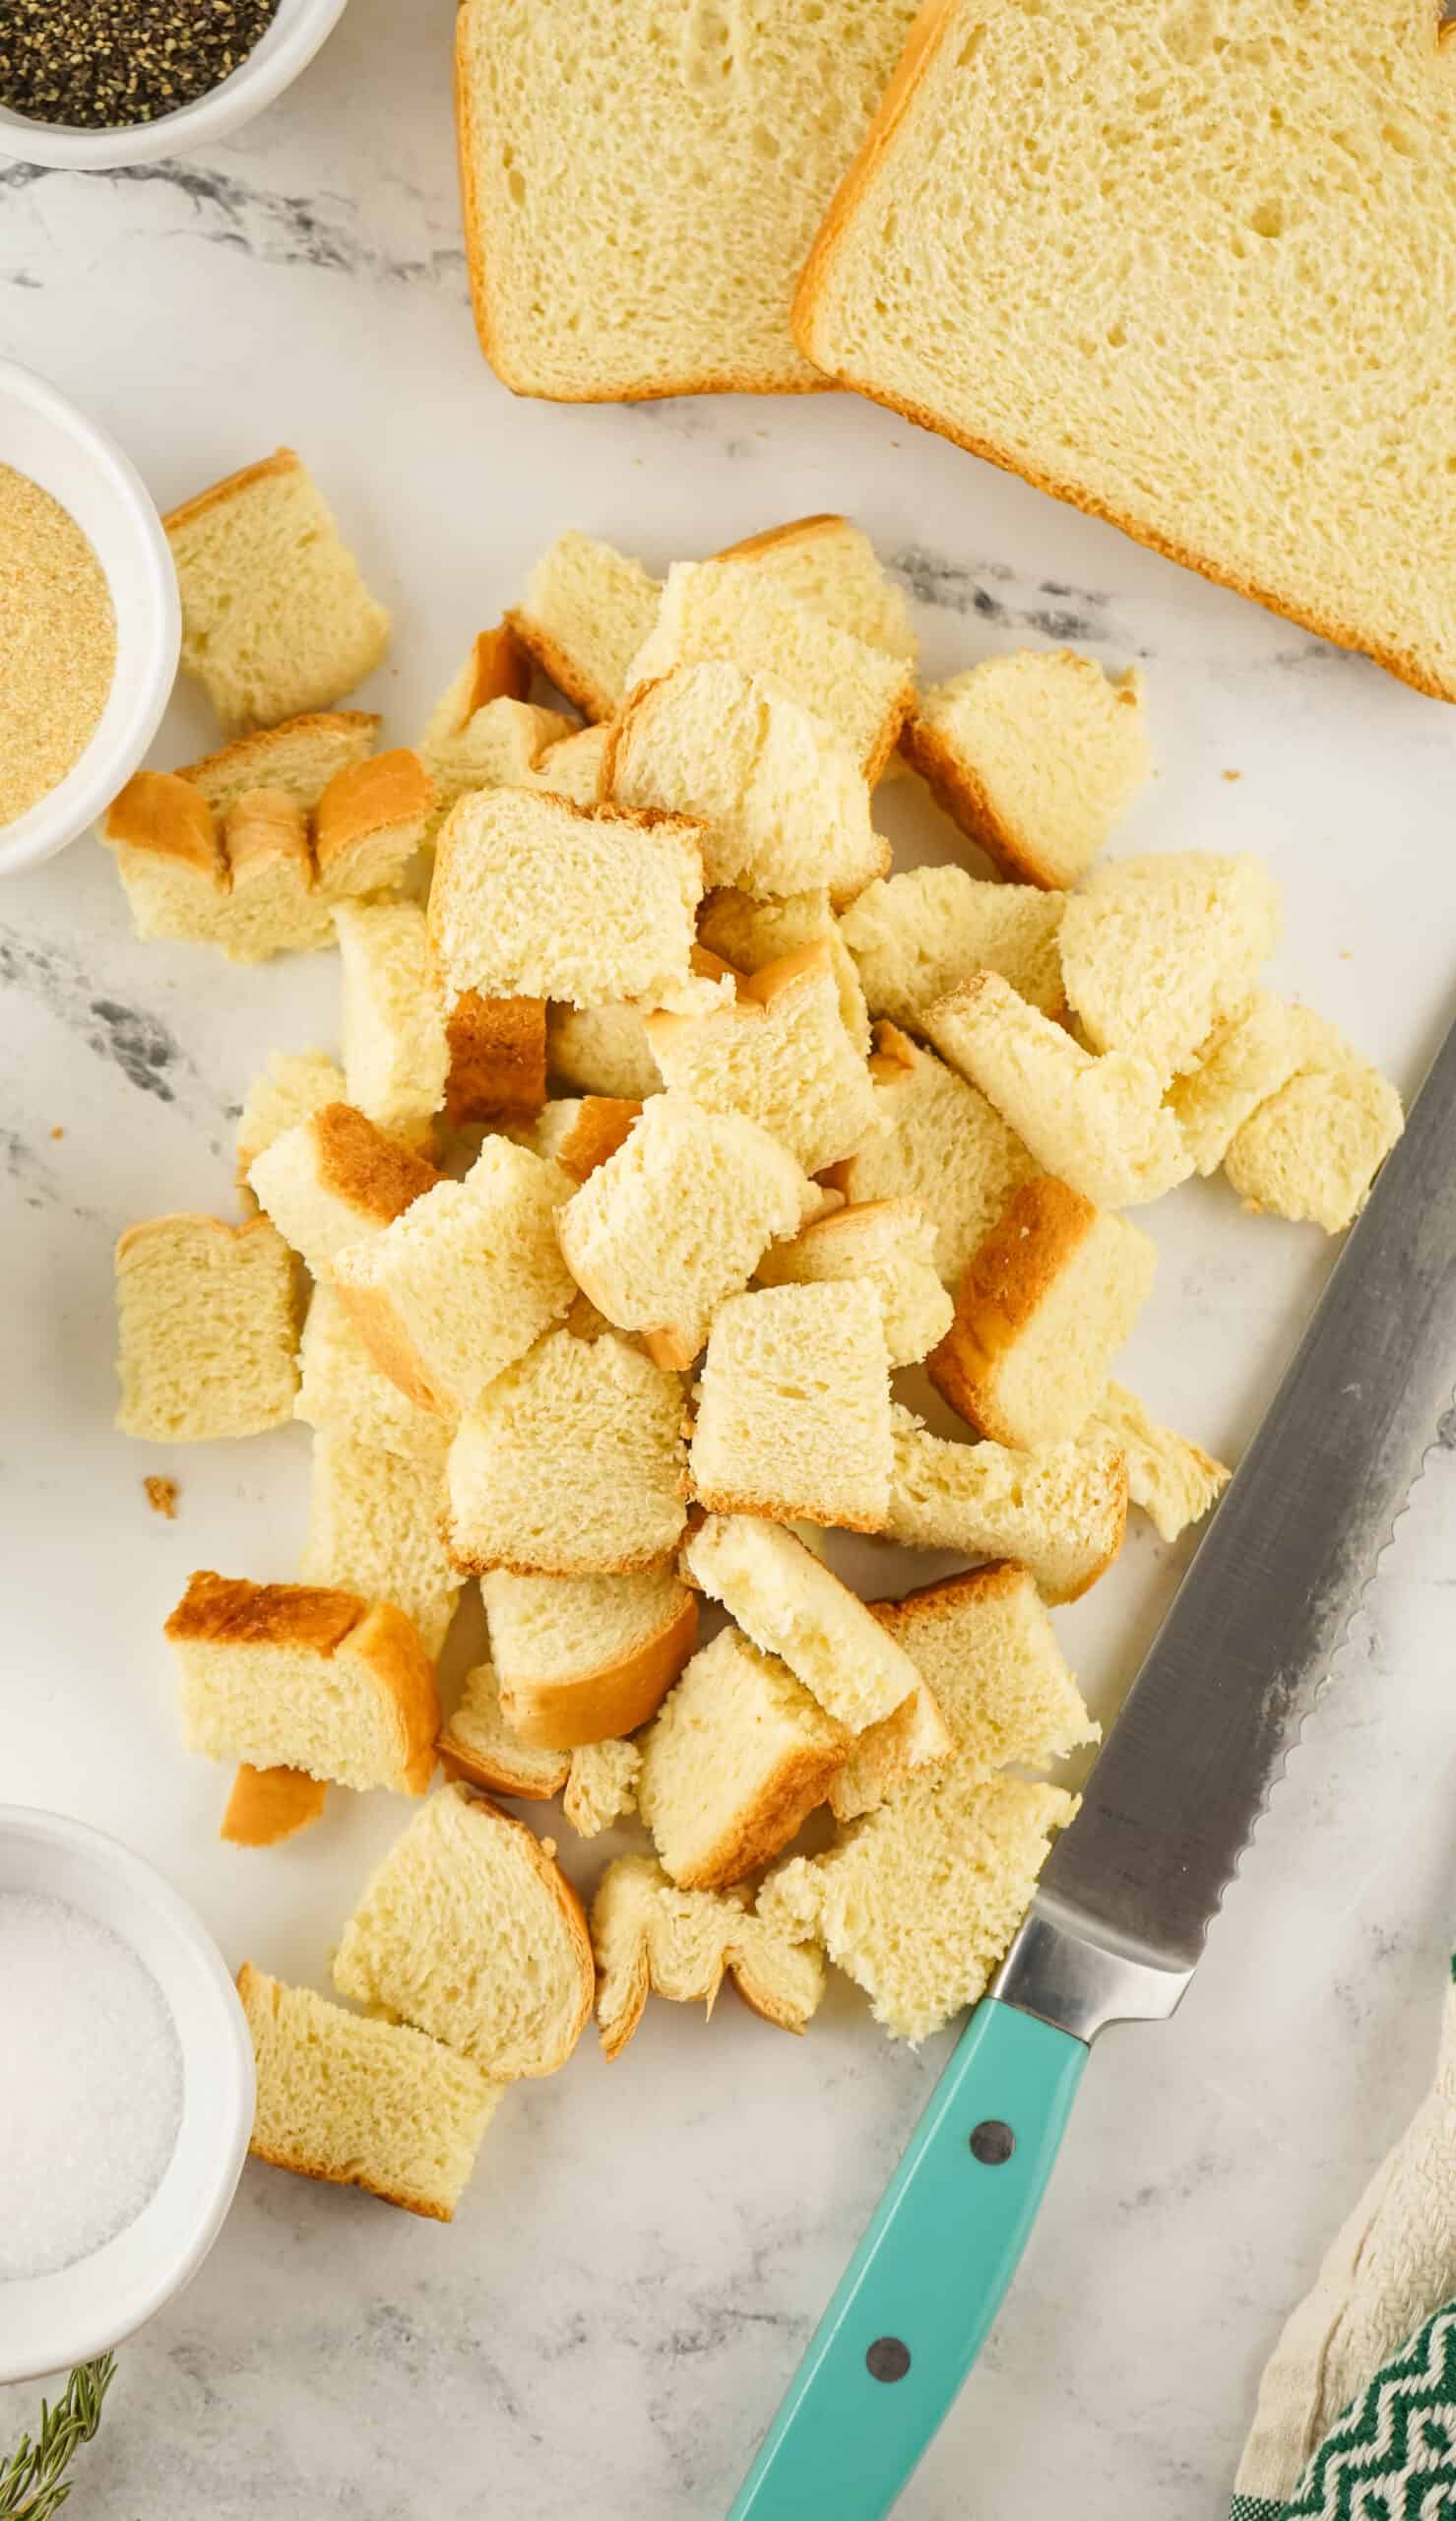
(161,1497)
(58,1132)
(1233,774)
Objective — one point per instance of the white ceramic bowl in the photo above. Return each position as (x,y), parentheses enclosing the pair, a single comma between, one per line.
(44,436)
(47,2323)
(287,47)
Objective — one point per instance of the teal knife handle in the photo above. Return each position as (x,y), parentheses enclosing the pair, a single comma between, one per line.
(917,2299)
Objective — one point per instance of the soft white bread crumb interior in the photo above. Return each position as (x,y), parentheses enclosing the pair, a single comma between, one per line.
(793,1408)
(737,1758)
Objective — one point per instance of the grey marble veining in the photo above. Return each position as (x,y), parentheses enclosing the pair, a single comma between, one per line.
(646,2247)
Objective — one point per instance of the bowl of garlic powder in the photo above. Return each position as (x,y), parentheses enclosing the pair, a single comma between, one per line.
(89,624)
(126,2103)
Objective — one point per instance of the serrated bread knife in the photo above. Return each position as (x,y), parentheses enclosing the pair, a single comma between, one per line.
(1119,1922)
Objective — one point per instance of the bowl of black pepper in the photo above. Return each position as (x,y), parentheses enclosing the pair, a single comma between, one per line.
(115,82)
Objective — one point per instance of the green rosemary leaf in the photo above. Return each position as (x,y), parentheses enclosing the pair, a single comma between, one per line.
(32,2481)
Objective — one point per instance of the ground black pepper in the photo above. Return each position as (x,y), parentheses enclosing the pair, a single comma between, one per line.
(104,63)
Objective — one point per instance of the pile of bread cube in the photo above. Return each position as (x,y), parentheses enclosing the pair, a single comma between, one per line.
(668,1132)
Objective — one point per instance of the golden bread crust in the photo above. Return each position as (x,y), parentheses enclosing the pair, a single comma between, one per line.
(801,1783)
(1007,1278)
(602,1704)
(160,812)
(268,1805)
(960,794)
(234,485)
(601,1127)
(359,1165)
(365,798)
(245,751)
(497,1050)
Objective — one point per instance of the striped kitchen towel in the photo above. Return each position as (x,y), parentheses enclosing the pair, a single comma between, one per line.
(1357,2412)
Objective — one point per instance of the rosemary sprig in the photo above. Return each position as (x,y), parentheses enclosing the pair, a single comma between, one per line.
(31,2483)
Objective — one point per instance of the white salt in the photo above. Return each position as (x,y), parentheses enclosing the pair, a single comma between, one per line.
(90,2094)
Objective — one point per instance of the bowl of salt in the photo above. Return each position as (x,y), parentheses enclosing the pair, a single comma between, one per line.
(126,2092)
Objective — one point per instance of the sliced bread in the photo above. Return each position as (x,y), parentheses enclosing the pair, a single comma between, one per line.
(571,1463)
(736,1759)
(208,1328)
(275,616)
(1106,256)
(469,1930)
(640,231)
(293,1676)
(366,2105)
(1036,756)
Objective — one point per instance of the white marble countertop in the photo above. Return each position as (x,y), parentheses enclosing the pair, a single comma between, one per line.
(611,2321)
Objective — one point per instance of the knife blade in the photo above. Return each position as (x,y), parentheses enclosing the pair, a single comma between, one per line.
(1119,1920)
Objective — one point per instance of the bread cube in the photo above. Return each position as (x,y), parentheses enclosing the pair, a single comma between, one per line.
(718,610)
(269,1806)
(292,1088)
(374,1528)
(833,568)
(651,1939)
(1062,1513)
(914,937)
(794,1408)
(1044,1304)
(460,1286)
(572,767)
(782,805)
(919,1900)
(1036,755)
(333,1180)
(747,934)
(892,1244)
(1158,951)
(677,1219)
(467,1930)
(533,897)
(778,1054)
(1097,1122)
(275,616)
(342,1392)
(1168,1479)
(294,1676)
(394,1055)
(1311,1151)
(942,1144)
(582,1657)
(790,1604)
(601,1050)
(571,1463)
(367,2104)
(1242,1063)
(738,1757)
(208,1321)
(585,614)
